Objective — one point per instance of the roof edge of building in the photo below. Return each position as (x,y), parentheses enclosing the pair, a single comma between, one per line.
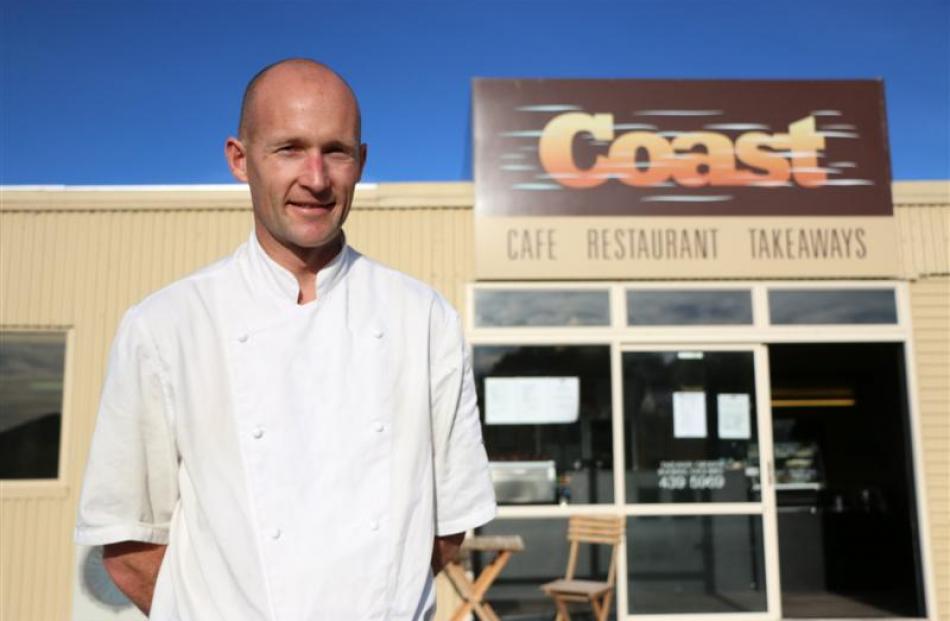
(931,192)
(416,195)
(435,195)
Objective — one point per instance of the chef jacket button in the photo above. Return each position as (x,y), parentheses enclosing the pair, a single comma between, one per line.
(258,433)
(374,525)
(377,333)
(243,338)
(379,426)
(275,534)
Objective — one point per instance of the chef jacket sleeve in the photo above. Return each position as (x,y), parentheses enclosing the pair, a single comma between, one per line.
(130,487)
(464,496)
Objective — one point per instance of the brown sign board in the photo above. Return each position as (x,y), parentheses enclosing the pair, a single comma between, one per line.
(613,179)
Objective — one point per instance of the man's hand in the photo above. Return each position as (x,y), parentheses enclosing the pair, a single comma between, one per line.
(133,566)
(445,549)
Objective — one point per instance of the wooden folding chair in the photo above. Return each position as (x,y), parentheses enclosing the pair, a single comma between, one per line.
(606,530)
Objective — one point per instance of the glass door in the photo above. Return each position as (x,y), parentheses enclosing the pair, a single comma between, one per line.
(698,489)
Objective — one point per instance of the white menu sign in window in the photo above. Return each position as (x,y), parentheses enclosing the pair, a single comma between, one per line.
(689,414)
(734,416)
(531,400)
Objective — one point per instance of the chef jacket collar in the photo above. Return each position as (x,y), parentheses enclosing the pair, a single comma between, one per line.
(281,283)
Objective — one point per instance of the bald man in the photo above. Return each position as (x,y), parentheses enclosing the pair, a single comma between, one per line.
(290,433)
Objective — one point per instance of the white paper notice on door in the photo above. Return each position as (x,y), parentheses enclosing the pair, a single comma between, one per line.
(531,400)
(735,413)
(689,414)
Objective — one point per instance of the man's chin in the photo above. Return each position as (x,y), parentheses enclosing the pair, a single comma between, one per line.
(331,242)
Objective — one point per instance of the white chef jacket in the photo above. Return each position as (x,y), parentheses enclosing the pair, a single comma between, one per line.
(297,459)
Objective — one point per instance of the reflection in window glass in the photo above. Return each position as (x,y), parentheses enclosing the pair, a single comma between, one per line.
(690,427)
(823,306)
(31,397)
(689,308)
(516,592)
(511,307)
(695,564)
(546,462)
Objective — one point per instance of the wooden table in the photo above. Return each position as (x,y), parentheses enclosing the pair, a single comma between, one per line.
(473,592)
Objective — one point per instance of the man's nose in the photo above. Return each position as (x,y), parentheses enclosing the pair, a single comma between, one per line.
(314,174)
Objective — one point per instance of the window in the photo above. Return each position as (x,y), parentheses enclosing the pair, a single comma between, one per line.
(692,564)
(547,422)
(832,306)
(685,307)
(691,427)
(31,398)
(540,307)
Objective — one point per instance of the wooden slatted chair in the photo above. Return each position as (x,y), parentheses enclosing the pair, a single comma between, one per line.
(605,530)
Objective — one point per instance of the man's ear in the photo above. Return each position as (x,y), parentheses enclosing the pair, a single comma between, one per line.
(236,155)
(363,151)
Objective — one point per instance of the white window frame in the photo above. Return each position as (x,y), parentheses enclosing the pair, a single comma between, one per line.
(621,337)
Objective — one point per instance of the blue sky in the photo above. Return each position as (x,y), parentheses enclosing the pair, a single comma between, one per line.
(146,92)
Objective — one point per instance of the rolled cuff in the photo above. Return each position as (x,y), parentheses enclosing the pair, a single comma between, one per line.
(474,519)
(103,535)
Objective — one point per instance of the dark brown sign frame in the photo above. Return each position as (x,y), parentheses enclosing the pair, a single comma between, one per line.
(511,118)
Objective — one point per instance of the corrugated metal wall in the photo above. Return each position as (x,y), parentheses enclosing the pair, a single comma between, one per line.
(923,224)
(433,245)
(923,228)
(77,259)
(930,309)
(924,247)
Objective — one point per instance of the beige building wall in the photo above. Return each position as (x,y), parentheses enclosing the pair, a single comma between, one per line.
(924,233)
(74,259)
(930,310)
